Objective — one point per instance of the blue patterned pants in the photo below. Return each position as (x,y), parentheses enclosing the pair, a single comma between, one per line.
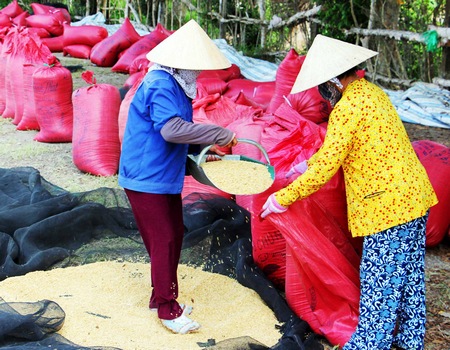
(392,303)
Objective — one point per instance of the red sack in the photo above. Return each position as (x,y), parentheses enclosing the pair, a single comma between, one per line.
(5,21)
(12,10)
(52,86)
(258,93)
(311,105)
(327,296)
(59,12)
(209,86)
(35,54)
(77,51)
(106,52)
(95,142)
(20,20)
(49,22)
(142,46)
(5,84)
(191,185)
(83,35)
(11,44)
(436,160)
(55,44)
(285,77)
(40,32)
(125,105)
(233,72)
(140,63)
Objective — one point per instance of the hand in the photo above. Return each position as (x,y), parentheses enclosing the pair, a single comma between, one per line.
(299,169)
(233,142)
(272,206)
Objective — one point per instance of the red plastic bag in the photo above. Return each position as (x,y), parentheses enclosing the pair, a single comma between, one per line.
(48,22)
(436,160)
(233,72)
(55,44)
(323,285)
(95,142)
(77,51)
(52,86)
(59,12)
(12,10)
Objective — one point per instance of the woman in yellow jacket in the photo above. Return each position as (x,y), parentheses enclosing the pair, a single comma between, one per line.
(388,194)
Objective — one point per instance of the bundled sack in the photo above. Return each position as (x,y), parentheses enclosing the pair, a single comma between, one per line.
(285,77)
(142,46)
(52,87)
(106,52)
(89,35)
(12,10)
(35,55)
(95,142)
(61,13)
(436,160)
(257,93)
(48,22)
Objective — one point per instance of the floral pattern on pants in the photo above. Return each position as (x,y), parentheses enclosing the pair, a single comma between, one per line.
(392,303)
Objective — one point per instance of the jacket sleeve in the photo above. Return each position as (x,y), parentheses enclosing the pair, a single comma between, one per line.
(176,130)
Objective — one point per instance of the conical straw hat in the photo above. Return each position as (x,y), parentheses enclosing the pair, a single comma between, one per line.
(327,58)
(189,48)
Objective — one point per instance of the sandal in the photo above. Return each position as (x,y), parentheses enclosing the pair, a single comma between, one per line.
(181,325)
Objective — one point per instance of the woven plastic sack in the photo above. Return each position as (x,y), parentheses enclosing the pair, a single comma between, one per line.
(61,13)
(52,86)
(48,22)
(106,52)
(55,44)
(142,46)
(233,72)
(436,160)
(5,21)
(12,10)
(95,142)
(77,51)
(259,93)
(35,55)
(285,77)
(325,277)
(89,35)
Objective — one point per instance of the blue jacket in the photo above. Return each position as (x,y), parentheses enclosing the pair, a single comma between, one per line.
(148,163)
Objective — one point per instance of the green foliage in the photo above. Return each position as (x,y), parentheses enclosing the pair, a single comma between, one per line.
(337,16)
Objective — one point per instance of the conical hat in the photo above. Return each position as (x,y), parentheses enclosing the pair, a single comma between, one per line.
(189,48)
(327,58)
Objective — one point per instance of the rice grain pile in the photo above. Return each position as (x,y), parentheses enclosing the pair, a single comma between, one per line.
(106,304)
(238,176)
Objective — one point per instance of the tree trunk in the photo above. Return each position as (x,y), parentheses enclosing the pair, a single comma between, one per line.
(389,59)
(262,16)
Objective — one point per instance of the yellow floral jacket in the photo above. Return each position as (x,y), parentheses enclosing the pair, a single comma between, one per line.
(386,185)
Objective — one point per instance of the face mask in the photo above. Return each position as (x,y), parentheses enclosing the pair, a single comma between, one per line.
(330,92)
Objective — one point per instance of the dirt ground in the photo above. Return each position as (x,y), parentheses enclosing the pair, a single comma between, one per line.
(54,161)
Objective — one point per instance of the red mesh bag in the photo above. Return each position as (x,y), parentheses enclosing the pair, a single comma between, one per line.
(52,86)
(436,160)
(142,46)
(83,35)
(106,52)
(95,142)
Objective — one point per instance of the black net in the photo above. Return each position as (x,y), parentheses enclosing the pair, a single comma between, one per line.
(43,226)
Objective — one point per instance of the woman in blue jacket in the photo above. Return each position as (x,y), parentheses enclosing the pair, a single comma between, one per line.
(155,145)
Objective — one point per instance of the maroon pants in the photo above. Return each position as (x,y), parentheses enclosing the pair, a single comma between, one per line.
(159,218)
